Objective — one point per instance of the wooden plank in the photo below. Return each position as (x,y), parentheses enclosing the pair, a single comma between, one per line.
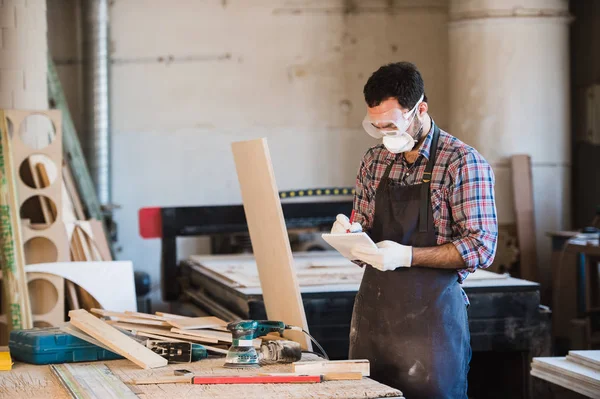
(171,316)
(116,340)
(14,282)
(91,381)
(72,192)
(194,323)
(270,240)
(524,213)
(99,238)
(141,315)
(563,367)
(333,366)
(221,336)
(587,358)
(74,331)
(125,318)
(72,295)
(566,383)
(141,328)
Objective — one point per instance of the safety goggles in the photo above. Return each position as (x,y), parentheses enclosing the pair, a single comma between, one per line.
(389,123)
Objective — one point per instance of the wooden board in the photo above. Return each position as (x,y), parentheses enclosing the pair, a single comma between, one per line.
(524,212)
(140,328)
(270,240)
(14,283)
(586,358)
(31,381)
(125,318)
(563,367)
(91,381)
(566,383)
(194,323)
(170,316)
(160,337)
(333,366)
(221,336)
(116,340)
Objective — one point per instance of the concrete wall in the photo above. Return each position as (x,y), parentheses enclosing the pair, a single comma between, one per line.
(190,77)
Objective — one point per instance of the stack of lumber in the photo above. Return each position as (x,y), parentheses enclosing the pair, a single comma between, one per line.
(210,332)
(579,371)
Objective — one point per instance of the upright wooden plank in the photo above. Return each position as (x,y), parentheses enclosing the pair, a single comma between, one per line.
(14,282)
(270,241)
(524,212)
(116,340)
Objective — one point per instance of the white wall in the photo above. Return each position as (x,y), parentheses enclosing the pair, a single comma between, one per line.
(291,71)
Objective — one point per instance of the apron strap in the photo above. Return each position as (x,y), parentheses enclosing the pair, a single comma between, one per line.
(425,205)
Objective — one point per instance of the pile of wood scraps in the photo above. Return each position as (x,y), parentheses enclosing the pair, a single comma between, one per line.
(210,332)
(579,371)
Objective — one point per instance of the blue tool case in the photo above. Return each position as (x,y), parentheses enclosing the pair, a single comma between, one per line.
(52,345)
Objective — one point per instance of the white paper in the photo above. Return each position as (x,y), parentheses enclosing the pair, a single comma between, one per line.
(344,242)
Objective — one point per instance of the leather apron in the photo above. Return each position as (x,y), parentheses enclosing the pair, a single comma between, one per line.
(411,323)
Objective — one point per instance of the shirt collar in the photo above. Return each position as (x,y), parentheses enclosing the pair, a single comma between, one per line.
(426,146)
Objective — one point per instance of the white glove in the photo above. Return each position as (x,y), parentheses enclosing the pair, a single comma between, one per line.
(389,255)
(342,225)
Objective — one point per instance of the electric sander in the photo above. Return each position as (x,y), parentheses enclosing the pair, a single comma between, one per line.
(242,353)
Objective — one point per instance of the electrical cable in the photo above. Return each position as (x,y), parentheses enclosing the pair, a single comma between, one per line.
(311,338)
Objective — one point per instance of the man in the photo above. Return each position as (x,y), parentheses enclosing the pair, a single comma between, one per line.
(427,200)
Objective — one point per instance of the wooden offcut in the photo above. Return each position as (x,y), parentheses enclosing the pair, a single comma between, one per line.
(333,366)
(270,241)
(196,323)
(116,340)
(524,213)
(221,336)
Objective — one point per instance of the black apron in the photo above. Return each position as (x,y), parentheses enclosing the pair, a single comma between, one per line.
(411,323)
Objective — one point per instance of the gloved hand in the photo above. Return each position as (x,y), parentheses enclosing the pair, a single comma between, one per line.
(389,255)
(342,224)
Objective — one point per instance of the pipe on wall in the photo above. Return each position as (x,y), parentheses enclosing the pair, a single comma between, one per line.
(97,137)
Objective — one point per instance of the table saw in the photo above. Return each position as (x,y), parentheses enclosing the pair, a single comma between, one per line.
(508,324)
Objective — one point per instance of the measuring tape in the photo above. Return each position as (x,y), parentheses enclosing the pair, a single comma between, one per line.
(315,192)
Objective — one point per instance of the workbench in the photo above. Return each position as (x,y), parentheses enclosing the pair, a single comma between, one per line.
(31,381)
(507,324)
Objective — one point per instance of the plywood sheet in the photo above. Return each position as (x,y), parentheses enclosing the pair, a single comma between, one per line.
(586,358)
(562,366)
(270,240)
(94,277)
(311,270)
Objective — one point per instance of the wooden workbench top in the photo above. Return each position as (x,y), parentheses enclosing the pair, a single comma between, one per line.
(30,381)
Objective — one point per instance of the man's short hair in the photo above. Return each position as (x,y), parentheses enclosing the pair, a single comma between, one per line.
(400,80)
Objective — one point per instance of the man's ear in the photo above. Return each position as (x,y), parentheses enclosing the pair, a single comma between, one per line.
(423,108)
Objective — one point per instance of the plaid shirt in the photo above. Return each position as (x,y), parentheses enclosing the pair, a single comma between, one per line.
(462,195)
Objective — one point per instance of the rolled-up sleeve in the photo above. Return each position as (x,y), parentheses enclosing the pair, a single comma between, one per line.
(473,210)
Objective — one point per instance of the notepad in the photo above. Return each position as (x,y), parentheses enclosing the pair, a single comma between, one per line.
(344,242)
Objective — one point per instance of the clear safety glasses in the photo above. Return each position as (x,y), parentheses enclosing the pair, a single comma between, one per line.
(389,123)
